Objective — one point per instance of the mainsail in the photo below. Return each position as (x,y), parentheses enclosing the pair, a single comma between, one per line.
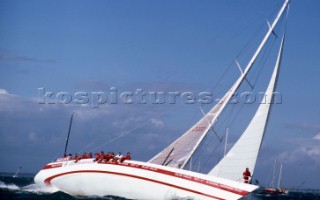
(180,151)
(244,152)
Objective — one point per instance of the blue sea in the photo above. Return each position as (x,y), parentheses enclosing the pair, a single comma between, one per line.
(23,187)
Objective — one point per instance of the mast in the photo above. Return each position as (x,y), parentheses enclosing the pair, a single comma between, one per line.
(67,140)
(274,172)
(280,174)
(242,77)
(187,144)
(17,172)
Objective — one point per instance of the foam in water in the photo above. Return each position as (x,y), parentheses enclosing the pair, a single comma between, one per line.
(8,186)
(29,188)
(38,189)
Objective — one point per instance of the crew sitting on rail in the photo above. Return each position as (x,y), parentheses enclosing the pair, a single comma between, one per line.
(109,157)
(126,157)
(76,158)
(99,156)
(89,155)
(118,157)
(84,156)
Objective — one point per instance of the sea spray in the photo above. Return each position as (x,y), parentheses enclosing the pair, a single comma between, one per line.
(8,186)
(39,189)
(29,188)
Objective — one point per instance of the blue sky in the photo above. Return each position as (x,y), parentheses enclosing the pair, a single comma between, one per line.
(77,46)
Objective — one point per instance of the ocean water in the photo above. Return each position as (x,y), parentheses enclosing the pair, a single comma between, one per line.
(23,187)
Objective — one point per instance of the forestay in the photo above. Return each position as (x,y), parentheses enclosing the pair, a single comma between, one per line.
(180,151)
(245,151)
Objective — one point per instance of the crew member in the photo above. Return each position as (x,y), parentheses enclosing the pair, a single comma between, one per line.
(118,157)
(98,156)
(126,157)
(89,155)
(76,158)
(246,175)
(108,157)
(84,156)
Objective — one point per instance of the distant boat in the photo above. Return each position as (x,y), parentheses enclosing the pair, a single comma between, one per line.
(166,176)
(17,172)
(278,189)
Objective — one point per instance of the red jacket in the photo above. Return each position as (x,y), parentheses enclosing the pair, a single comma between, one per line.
(246,174)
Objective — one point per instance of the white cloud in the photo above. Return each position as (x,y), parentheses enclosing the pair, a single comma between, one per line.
(157,122)
(307,151)
(3,91)
(311,151)
(87,113)
(317,137)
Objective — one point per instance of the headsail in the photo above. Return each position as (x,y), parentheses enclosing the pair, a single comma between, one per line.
(180,151)
(245,151)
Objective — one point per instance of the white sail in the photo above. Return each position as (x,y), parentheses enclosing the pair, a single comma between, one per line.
(245,151)
(180,151)
(17,172)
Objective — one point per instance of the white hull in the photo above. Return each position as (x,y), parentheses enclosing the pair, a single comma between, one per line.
(137,180)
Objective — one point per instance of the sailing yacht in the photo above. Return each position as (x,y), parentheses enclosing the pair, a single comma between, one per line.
(17,172)
(165,175)
(272,189)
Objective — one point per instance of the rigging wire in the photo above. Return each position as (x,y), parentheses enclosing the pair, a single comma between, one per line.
(234,113)
(222,77)
(249,43)
(84,148)
(261,64)
(229,67)
(125,133)
(243,49)
(246,46)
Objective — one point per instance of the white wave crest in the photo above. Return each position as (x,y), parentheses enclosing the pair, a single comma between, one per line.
(34,188)
(39,189)
(8,186)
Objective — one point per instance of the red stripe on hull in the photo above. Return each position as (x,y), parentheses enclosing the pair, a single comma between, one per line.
(52,166)
(186,177)
(160,171)
(48,180)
